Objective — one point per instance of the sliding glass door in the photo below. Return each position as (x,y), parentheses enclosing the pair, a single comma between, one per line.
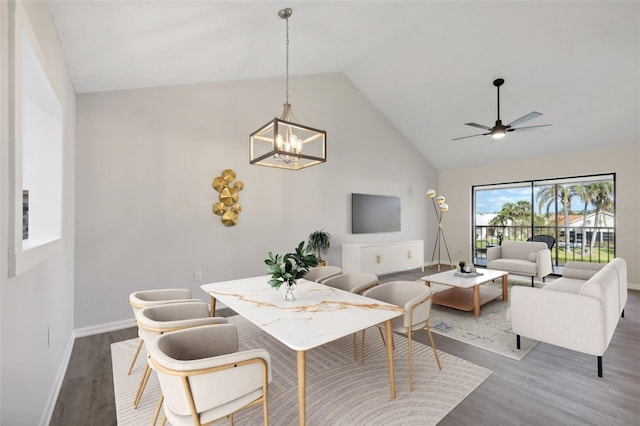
(574,216)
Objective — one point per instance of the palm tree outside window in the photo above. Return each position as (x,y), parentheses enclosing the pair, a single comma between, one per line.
(578,212)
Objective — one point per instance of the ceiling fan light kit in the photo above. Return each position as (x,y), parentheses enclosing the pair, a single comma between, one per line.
(499,130)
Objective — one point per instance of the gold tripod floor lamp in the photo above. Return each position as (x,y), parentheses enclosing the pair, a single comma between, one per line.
(440,207)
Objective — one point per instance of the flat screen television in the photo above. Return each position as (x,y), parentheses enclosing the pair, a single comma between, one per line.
(374,213)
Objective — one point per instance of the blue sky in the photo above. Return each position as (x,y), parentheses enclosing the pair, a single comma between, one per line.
(492,200)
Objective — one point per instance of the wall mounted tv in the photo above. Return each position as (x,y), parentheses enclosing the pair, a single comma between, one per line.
(374,213)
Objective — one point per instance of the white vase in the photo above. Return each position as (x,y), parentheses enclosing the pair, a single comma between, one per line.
(290,292)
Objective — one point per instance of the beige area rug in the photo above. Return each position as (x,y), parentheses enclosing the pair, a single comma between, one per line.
(339,390)
(489,331)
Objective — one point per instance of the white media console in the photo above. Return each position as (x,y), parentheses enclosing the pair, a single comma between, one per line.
(383,258)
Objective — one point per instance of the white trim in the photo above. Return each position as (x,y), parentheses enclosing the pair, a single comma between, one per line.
(47,413)
(633,286)
(103,328)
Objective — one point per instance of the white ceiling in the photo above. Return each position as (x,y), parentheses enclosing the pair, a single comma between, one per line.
(428,66)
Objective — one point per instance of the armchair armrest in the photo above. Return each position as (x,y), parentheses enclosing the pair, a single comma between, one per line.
(493,253)
(544,263)
(564,319)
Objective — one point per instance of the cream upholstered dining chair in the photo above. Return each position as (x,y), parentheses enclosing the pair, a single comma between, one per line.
(154,321)
(144,298)
(354,282)
(321,273)
(415,298)
(204,377)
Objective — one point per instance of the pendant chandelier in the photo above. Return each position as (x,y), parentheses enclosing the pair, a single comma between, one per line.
(282,142)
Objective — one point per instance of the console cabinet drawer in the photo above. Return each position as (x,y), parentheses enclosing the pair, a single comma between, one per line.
(383,258)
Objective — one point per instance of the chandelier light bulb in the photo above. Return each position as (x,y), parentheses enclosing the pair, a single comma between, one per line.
(431,193)
(440,199)
(444,207)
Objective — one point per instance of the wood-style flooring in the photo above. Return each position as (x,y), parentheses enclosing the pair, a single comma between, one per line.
(549,386)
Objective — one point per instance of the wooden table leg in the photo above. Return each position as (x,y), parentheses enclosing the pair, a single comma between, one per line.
(392,381)
(213,307)
(476,300)
(302,386)
(505,290)
(427,283)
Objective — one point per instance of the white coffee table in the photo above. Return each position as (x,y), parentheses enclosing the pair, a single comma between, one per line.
(465,293)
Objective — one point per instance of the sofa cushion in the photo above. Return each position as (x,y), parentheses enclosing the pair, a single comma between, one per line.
(581,270)
(567,285)
(515,266)
(532,257)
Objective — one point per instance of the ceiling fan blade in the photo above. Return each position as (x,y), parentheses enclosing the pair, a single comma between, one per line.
(528,127)
(524,118)
(478,125)
(472,136)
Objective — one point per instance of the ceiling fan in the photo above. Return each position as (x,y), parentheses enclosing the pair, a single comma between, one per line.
(499,130)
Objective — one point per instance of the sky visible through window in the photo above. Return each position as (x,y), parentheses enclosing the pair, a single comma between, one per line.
(491,200)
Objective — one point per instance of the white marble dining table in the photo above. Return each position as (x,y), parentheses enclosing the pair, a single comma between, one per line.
(320,315)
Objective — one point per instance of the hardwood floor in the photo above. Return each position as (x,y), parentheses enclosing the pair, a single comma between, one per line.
(549,386)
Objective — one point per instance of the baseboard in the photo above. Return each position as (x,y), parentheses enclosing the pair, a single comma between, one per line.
(633,286)
(62,371)
(103,328)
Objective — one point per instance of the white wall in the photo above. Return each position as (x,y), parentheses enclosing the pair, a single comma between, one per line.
(146,159)
(40,299)
(624,161)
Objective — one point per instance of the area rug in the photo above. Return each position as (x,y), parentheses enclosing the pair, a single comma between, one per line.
(489,331)
(339,390)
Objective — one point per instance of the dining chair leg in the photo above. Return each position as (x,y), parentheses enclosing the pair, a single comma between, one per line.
(433,345)
(135,357)
(157,414)
(362,350)
(143,384)
(164,421)
(393,346)
(410,362)
(355,355)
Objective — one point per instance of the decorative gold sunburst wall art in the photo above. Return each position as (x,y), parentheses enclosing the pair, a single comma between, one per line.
(227,207)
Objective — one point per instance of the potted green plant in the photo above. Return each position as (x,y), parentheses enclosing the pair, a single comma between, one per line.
(288,268)
(320,241)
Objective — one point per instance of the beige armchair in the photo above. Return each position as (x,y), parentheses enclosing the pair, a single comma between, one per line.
(321,273)
(354,282)
(154,321)
(203,377)
(528,258)
(415,298)
(145,298)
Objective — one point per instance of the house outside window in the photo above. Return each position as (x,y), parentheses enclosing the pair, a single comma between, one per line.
(578,212)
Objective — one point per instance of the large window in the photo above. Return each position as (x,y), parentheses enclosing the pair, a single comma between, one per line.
(36,134)
(578,212)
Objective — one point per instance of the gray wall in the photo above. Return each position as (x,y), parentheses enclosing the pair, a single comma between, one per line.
(41,298)
(146,159)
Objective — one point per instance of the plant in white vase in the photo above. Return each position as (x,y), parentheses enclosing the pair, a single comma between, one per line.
(288,268)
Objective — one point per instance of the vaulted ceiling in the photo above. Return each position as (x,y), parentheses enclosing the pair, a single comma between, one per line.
(428,66)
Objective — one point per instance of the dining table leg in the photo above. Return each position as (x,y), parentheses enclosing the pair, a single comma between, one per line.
(392,382)
(213,307)
(302,387)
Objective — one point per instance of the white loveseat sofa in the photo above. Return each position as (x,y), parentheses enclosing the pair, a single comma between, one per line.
(579,311)
(529,258)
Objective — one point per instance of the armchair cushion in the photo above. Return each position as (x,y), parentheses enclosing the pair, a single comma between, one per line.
(528,258)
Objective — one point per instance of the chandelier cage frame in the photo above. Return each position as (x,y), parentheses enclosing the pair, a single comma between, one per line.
(282,142)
